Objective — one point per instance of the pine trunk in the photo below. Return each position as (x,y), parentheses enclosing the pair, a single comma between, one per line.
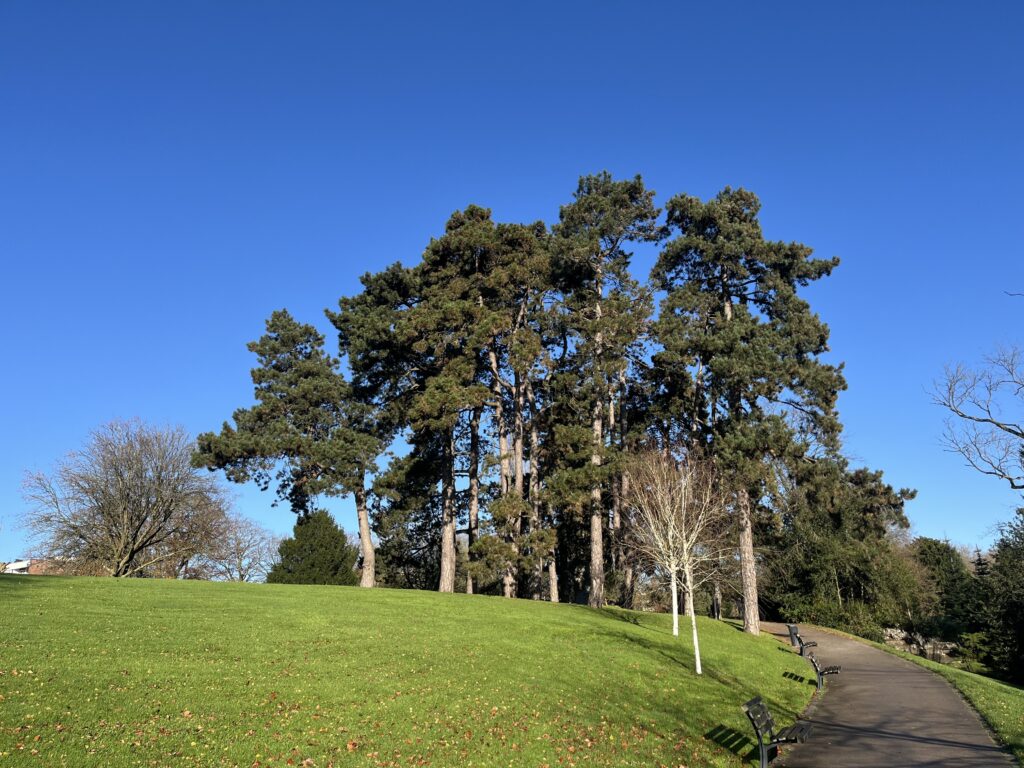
(474,489)
(367,577)
(748,571)
(552,579)
(596,599)
(447,581)
(537,576)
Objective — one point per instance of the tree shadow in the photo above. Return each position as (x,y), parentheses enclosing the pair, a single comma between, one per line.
(734,741)
(632,620)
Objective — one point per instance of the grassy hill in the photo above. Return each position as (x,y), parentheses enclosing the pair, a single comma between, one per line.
(98,672)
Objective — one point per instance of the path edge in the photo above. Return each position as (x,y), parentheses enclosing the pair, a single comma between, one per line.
(911,659)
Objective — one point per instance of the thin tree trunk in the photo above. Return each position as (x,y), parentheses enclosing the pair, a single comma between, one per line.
(674,586)
(447,581)
(474,489)
(748,571)
(368,575)
(693,618)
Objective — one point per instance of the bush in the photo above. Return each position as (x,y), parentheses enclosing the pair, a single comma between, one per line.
(317,553)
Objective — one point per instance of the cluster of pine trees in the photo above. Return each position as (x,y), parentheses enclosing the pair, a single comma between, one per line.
(484,400)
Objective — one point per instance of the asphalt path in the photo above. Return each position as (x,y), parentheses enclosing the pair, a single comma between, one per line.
(882,710)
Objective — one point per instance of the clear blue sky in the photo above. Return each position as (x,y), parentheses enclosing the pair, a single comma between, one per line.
(172,172)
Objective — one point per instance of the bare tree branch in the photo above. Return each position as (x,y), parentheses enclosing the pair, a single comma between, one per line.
(987,408)
(128,503)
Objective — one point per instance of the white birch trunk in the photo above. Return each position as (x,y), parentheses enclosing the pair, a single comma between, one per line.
(675,603)
(693,620)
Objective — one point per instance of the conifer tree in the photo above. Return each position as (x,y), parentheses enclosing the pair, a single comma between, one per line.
(374,340)
(606,311)
(307,432)
(741,349)
(316,553)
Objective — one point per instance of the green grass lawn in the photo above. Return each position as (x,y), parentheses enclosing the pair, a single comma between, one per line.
(98,672)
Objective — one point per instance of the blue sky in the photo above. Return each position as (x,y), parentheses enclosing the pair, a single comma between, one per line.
(170,173)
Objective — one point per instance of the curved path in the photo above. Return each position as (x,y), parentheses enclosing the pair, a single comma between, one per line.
(885,711)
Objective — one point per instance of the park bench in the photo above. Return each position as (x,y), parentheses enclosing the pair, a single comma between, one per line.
(821,671)
(768,738)
(797,641)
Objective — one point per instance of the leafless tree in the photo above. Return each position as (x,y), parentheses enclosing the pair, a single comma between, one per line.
(679,519)
(245,552)
(127,504)
(986,425)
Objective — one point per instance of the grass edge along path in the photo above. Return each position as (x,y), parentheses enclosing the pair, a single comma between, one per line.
(1000,705)
(119,673)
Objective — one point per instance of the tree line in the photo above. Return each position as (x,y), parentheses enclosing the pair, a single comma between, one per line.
(493,391)
(516,413)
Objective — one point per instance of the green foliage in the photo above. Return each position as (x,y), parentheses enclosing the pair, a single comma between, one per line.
(739,348)
(317,553)
(306,432)
(115,673)
(953,585)
(834,561)
(1003,585)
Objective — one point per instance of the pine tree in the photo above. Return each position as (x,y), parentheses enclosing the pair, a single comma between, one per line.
(317,553)
(307,432)
(606,311)
(740,349)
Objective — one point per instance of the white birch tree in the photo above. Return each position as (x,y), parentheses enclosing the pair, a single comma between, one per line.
(679,515)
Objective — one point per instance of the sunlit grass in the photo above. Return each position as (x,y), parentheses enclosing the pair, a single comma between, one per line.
(98,672)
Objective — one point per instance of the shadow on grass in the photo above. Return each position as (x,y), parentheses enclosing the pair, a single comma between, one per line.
(21,581)
(732,740)
(796,677)
(631,619)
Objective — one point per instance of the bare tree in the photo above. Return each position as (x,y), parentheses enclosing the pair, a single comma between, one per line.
(246,551)
(128,504)
(679,516)
(987,422)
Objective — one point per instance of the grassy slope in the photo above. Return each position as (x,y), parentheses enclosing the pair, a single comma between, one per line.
(1000,705)
(97,672)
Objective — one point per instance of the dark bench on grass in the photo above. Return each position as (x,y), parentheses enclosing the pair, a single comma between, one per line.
(821,671)
(768,738)
(797,641)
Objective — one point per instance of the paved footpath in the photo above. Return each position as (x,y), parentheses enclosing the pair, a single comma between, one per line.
(885,711)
